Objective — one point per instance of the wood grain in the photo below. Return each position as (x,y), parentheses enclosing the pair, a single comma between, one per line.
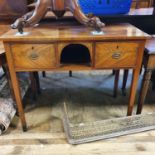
(59,32)
(40,49)
(15,85)
(151,62)
(116,54)
(135,78)
(30,56)
(54,143)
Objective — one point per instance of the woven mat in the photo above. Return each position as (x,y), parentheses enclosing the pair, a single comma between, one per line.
(103,129)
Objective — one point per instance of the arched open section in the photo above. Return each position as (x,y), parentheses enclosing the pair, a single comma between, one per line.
(75,54)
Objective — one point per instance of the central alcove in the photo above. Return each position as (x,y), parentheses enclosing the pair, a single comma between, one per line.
(75,54)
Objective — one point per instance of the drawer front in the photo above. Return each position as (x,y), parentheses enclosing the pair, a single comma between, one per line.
(116,55)
(151,61)
(31,56)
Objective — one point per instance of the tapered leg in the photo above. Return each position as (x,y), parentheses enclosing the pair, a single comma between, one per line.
(16,89)
(135,78)
(113,72)
(70,74)
(125,78)
(44,74)
(36,75)
(116,81)
(143,90)
(153,79)
(15,86)
(133,90)
(33,85)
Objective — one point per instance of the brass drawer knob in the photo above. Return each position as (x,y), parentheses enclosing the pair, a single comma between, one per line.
(116,55)
(33,56)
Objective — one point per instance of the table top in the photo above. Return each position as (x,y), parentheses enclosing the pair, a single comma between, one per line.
(51,32)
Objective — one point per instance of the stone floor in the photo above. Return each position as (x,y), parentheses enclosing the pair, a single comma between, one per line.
(88,96)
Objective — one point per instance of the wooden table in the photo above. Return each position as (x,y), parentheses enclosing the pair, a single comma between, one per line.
(40,49)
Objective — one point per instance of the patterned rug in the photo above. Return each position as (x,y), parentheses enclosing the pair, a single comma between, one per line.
(7,105)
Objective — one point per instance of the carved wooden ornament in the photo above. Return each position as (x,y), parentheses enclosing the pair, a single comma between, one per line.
(58,7)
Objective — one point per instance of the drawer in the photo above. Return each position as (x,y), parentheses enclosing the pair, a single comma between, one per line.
(151,61)
(34,56)
(116,55)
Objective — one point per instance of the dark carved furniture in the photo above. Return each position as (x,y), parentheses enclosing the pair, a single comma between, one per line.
(58,7)
(149,66)
(140,18)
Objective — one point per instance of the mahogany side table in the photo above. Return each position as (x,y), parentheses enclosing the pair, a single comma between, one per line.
(41,49)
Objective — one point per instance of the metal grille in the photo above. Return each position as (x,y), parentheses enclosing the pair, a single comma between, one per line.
(87,132)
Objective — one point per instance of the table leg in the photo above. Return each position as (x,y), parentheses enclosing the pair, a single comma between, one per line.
(16,89)
(116,81)
(36,75)
(44,74)
(135,78)
(113,72)
(125,78)
(70,73)
(133,90)
(15,86)
(143,90)
(33,85)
